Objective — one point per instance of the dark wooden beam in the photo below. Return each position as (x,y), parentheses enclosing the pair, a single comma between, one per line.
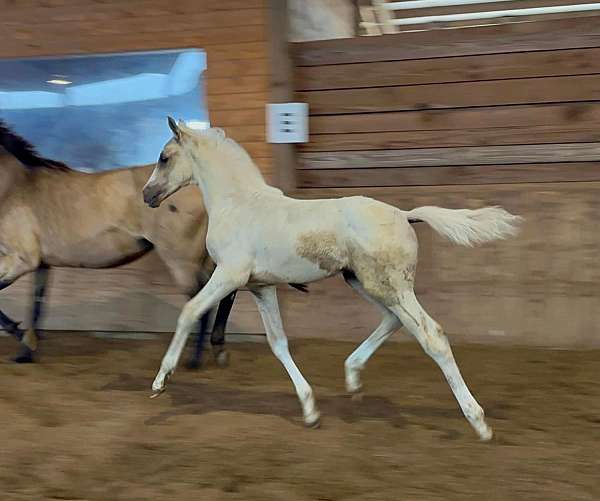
(281,90)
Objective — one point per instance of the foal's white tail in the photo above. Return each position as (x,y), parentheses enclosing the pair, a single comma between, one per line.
(469,227)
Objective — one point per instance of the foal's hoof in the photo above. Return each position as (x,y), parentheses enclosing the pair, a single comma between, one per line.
(160,384)
(222,359)
(157,393)
(357,396)
(486,435)
(313,423)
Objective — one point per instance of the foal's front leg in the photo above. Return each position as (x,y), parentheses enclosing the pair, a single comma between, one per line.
(222,283)
(266,299)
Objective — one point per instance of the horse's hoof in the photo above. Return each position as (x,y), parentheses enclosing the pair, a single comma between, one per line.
(30,339)
(486,435)
(159,386)
(157,393)
(357,396)
(313,423)
(222,359)
(23,359)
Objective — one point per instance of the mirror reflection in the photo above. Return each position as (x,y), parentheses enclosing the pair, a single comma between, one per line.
(102,112)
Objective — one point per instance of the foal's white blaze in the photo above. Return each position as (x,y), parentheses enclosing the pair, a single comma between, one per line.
(259,237)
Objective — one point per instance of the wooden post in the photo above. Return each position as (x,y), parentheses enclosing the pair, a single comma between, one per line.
(282,89)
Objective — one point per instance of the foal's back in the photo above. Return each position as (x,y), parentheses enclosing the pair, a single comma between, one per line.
(307,240)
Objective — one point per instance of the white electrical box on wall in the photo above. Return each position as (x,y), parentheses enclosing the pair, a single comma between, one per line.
(287,123)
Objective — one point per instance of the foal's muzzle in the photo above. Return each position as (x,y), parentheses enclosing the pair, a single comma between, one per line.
(152,196)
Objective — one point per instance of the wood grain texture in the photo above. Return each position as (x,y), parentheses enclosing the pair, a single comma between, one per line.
(149,20)
(454,95)
(454,175)
(541,134)
(498,39)
(431,157)
(568,116)
(39,7)
(223,102)
(237,68)
(445,70)
(240,117)
(101,41)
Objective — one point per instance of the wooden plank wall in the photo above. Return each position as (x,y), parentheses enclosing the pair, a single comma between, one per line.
(233,33)
(141,296)
(511,103)
(502,115)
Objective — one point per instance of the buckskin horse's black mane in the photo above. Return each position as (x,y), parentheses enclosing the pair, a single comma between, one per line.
(24,151)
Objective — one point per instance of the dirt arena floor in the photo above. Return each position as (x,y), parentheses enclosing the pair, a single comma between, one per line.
(80,426)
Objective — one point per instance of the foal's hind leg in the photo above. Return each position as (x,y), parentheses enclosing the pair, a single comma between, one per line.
(433,340)
(356,361)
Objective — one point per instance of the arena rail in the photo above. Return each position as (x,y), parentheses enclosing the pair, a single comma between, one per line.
(384,17)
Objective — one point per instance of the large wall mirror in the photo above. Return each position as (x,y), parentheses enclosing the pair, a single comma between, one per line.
(105,111)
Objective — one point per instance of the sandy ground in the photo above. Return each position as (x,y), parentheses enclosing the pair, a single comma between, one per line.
(80,425)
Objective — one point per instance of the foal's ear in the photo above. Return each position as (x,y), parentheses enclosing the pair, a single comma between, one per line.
(175,128)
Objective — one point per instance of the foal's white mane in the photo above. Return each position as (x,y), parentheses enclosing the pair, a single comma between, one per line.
(214,141)
(229,170)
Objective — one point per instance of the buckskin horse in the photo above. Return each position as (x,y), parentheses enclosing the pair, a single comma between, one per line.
(54,216)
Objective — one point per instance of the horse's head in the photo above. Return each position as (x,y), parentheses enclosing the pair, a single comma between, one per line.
(173,169)
(199,157)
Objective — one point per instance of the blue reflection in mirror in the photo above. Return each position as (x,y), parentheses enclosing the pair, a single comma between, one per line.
(103,111)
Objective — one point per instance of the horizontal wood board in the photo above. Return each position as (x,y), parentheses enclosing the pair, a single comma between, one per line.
(506,103)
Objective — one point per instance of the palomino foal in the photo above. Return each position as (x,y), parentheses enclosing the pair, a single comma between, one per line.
(258,237)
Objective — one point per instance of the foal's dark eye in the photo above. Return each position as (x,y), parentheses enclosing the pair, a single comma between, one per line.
(163,158)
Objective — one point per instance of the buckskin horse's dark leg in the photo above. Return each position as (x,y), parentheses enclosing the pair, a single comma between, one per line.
(41,283)
(217,337)
(196,360)
(10,326)
(30,338)
(7,323)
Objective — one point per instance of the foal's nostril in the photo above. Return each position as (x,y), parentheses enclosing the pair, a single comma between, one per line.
(150,197)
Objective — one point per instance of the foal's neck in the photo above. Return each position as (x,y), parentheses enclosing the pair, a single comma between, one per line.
(232,177)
